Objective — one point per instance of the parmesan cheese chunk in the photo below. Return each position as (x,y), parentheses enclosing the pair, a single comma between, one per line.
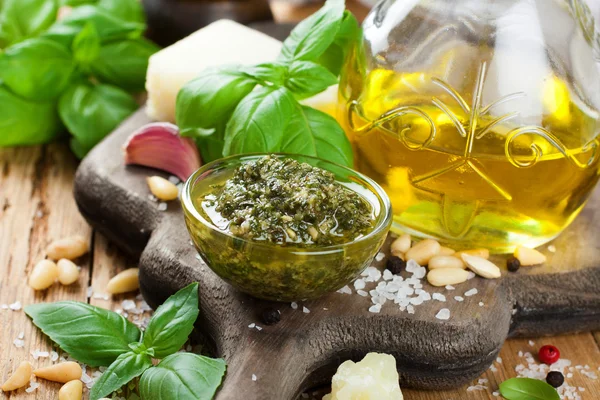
(373,378)
(222,42)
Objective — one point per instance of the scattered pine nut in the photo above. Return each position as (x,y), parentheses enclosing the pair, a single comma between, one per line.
(446,262)
(62,372)
(72,390)
(528,257)
(400,245)
(482,253)
(447,276)
(68,272)
(446,251)
(69,248)
(481,266)
(19,378)
(44,275)
(123,282)
(162,189)
(423,251)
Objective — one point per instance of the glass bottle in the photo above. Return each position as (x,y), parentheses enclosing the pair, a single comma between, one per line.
(480,118)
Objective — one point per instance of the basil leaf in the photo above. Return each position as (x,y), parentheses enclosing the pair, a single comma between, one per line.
(172,323)
(91,335)
(124,63)
(527,389)
(36,69)
(275,73)
(128,10)
(311,37)
(24,122)
(126,367)
(272,120)
(312,132)
(109,27)
(210,144)
(86,46)
(91,112)
(75,3)
(258,123)
(183,376)
(210,98)
(307,78)
(349,34)
(22,19)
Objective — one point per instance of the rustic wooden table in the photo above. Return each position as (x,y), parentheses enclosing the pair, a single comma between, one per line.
(36,207)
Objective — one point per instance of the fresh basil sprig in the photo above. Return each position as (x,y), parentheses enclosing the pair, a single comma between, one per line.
(236,109)
(86,65)
(99,337)
(527,389)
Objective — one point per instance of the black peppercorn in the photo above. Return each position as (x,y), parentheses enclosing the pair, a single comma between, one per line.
(513,264)
(395,264)
(271,316)
(555,379)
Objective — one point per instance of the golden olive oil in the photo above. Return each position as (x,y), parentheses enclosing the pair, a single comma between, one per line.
(467,160)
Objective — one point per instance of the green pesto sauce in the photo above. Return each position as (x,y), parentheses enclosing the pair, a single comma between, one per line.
(284,201)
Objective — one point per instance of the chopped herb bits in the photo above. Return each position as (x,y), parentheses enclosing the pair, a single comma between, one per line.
(283,201)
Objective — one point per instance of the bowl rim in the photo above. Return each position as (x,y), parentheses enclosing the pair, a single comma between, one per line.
(383,224)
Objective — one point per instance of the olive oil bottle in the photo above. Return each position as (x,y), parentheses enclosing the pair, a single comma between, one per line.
(482,129)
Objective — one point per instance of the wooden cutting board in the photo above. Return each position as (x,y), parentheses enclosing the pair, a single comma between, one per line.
(304,349)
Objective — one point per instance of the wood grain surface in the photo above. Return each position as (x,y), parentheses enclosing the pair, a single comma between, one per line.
(36,206)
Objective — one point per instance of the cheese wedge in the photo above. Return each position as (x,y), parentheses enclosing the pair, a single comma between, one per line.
(222,42)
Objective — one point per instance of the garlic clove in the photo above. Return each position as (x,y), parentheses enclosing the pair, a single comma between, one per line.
(158,145)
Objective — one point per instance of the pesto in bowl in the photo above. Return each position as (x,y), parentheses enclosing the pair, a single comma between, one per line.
(285,227)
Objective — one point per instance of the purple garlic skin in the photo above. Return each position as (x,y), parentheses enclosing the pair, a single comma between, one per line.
(158,145)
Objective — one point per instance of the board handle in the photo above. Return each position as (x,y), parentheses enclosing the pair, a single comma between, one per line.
(263,370)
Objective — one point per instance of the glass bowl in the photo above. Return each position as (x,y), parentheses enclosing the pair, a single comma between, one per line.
(275,272)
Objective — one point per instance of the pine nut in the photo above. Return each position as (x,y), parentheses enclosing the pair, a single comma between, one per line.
(446,262)
(123,282)
(481,266)
(400,245)
(69,248)
(19,378)
(446,251)
(423,251)
(162,189)
(528,257)
(44,275)
(68,272)
(447,276)
(62,372)
(72,390)
(482,253)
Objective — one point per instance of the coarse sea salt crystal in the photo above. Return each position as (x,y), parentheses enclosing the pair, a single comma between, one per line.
(481,304)
(53,356)
(531,343)
(552,248)
(21,335)
(471,292)
(19,343)
(450,287)
(359,284)
(128,305)
(254,378)
(438,297)
(345,290)
(375,308)
(362,293)
(174,180)
(16,306)
(459,298)
(4,306)
(499,360)
(387,275)
(380,256)
(476,388)
(32,386)
(443,314)
(305,310)
(294,305)
(162,206)
(252,325)
(471,275)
